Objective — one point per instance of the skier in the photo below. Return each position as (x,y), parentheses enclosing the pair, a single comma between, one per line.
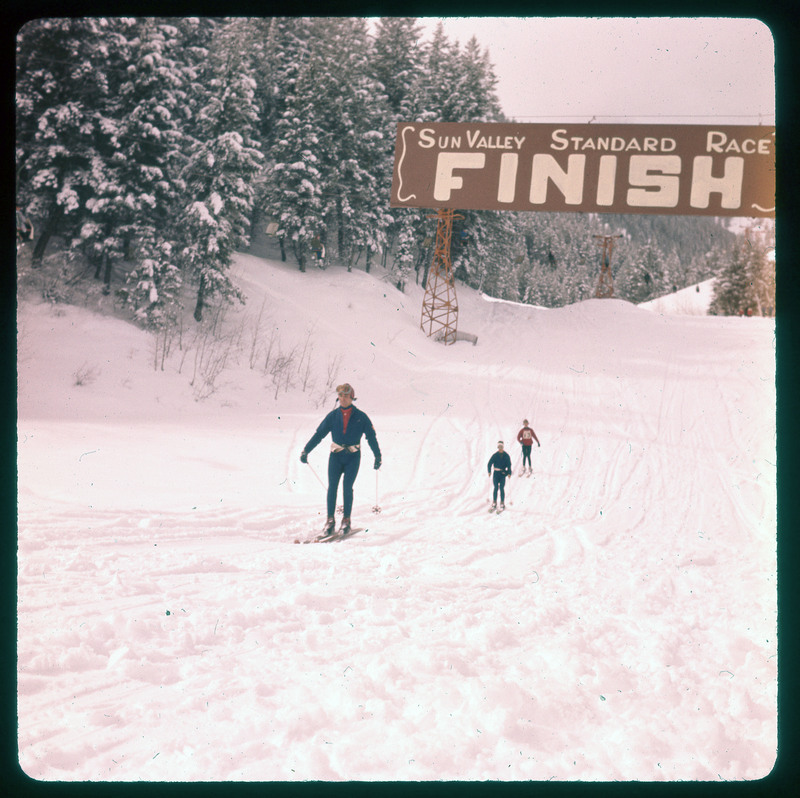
(499,468)
(346,424)
(525,436)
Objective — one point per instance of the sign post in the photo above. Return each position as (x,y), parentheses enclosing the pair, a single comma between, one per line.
(605,283)
(439,306)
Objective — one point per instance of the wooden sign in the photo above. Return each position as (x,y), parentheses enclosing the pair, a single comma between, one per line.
(726,170)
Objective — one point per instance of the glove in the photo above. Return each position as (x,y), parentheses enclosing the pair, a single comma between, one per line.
(377,463)
(303,457)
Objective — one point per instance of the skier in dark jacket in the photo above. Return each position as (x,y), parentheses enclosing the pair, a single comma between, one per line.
(499,468)
(346,425)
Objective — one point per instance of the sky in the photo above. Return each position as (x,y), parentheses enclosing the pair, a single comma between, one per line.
(635,70)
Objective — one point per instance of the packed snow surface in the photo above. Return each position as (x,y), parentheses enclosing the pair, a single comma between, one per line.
(618,621)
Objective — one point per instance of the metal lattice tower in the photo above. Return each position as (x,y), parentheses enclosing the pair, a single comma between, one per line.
(439,306)
(605,283)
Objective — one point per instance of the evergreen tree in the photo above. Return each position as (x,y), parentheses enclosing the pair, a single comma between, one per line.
(761,276)
(294,188)
(460,86)
(352,152)
(67,71)
(220,173)
(689,237)
(408,246)
(134,181)
(745,284)
(643,279)
(278,59)
(155,141)
(476,86)
(396,64)
(438,86)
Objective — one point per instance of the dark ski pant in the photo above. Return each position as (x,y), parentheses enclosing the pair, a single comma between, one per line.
(340,464)
(526,455)
(499,479)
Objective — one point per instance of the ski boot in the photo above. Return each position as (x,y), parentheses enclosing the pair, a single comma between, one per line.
(344,529)
(330,527)
(493,508)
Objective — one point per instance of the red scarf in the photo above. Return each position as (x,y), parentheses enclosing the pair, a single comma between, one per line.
(346,412)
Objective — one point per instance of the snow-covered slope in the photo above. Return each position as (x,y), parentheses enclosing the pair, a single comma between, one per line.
(691,301)
(618,621)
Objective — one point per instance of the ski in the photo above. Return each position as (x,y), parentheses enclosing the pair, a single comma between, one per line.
(320,536)
(316,538)
(337,535)
(342,535)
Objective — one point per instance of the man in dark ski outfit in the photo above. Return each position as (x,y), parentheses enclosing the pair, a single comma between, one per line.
(499,468)
(346,425)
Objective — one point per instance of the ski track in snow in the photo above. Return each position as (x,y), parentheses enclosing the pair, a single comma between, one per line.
(616,622)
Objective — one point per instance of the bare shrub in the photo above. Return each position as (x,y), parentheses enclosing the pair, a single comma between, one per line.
(256,336)
(214,350)
(85,375)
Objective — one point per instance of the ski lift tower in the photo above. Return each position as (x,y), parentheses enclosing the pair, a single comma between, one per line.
(605,283)
(439,306)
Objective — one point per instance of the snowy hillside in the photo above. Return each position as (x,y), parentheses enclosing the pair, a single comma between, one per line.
(692,301)
(618,621)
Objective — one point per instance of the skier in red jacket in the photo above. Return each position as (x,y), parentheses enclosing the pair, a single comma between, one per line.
(526,436)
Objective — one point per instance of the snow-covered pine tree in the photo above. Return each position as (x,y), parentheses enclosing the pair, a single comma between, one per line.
(643,277)
(761,274)
(674,276)
(294,183)
(134,179)
(407,245)
(560,257)
(745,284)
(476,85)
(396,65)
(65,73)
(277,59)
(221,170)
(352,154)
(157,92)
(439,80)
(257,39)
(730,288)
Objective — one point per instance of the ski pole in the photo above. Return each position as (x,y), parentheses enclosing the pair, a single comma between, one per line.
(376,508)
(316,475)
